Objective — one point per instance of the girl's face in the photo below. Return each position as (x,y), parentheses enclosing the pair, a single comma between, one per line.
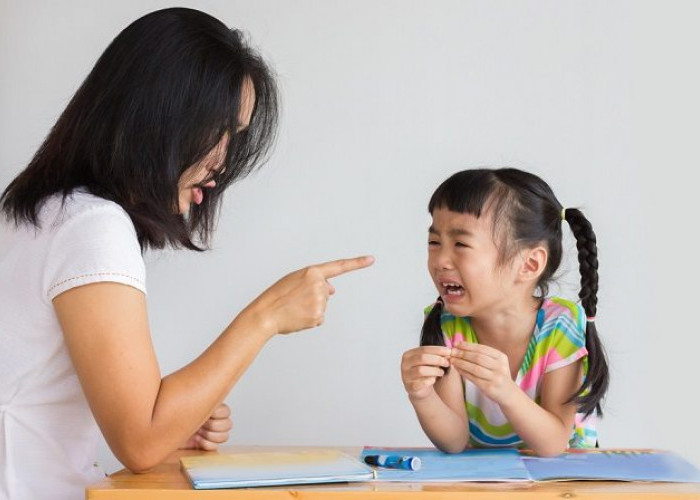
(192,183)
(463,261)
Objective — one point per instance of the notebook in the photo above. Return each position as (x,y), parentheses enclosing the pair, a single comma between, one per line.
(503,465)
(244,470)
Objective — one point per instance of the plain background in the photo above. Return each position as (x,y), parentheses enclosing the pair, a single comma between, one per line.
(382,100)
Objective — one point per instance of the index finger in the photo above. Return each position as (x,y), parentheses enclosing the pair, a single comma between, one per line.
(221,411)
(337,267)
(437,350)
(483,349)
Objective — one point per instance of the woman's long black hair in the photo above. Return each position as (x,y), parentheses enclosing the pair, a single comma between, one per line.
(527,211)
(162,95)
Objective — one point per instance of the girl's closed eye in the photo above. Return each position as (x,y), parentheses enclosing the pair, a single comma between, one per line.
(433,243)
(459,244)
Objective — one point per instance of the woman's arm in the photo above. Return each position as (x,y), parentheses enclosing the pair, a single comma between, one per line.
(145,417)
(142,416)
(437,398)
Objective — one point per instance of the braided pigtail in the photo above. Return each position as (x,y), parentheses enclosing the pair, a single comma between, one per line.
(431,333)
(594,387)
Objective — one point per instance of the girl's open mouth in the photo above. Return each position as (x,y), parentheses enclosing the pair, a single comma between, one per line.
(451,288)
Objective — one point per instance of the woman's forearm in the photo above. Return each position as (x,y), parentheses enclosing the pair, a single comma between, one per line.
(187,397)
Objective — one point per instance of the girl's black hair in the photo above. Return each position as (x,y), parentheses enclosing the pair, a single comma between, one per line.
(526,213)
(162,95)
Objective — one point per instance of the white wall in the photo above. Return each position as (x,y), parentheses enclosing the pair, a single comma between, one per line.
(382,101)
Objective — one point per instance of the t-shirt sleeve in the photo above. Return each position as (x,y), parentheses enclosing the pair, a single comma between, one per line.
(568,340)
(97,245)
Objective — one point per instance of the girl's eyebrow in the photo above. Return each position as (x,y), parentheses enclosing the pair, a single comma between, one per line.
(455,231)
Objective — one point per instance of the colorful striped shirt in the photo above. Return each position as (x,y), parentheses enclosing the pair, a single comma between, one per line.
(559,340)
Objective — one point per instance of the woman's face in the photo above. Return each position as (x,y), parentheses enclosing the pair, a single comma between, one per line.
(190,185)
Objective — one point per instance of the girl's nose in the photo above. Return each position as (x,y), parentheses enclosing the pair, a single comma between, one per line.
(443,260)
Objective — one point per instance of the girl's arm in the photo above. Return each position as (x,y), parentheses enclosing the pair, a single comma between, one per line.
(437,399)
(546,429)
(145,417)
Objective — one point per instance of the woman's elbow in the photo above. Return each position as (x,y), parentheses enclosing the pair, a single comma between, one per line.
(138,457)
(139,462)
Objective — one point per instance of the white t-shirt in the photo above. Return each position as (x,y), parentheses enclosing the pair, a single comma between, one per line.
(48,436)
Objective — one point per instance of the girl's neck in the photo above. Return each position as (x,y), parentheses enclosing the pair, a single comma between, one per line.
(507,323)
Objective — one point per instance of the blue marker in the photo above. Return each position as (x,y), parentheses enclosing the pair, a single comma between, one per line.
(394,462)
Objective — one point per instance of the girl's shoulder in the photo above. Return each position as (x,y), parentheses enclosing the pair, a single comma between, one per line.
(560,319)
(557,307)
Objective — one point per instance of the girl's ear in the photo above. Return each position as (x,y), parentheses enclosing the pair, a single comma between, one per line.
(533,264)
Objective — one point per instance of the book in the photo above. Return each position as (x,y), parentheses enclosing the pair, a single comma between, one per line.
(613,465)
(511,465)
(244,470)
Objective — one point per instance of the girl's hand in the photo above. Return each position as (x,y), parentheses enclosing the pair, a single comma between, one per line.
(214,432)
(486,367)
(298,301)
(421,367)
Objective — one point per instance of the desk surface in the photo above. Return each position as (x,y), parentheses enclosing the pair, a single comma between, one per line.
(167,482)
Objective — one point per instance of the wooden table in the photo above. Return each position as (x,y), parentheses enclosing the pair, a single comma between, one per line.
(167,482)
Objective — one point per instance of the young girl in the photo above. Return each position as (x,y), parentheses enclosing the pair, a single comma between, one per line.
(500,363)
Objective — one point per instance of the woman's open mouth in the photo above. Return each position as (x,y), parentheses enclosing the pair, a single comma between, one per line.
(197,195)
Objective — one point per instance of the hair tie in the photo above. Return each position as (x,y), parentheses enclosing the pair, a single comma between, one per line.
(590,319)
(563,214)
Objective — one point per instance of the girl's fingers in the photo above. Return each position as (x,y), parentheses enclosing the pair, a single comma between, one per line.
(478,358)
(436,350)
(431,360)
(464,347)
(428,371)
(467,367)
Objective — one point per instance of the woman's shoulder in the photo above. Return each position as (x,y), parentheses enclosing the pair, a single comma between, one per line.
(58,211)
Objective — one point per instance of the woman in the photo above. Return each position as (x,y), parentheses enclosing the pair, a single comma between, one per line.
(175,110)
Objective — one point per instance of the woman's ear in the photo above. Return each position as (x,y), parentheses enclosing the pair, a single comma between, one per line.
(533,263)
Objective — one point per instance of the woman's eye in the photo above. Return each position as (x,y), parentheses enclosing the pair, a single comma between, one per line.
(433,243)
(461,245)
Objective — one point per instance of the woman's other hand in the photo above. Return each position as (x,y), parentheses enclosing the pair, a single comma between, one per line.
(214,432)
